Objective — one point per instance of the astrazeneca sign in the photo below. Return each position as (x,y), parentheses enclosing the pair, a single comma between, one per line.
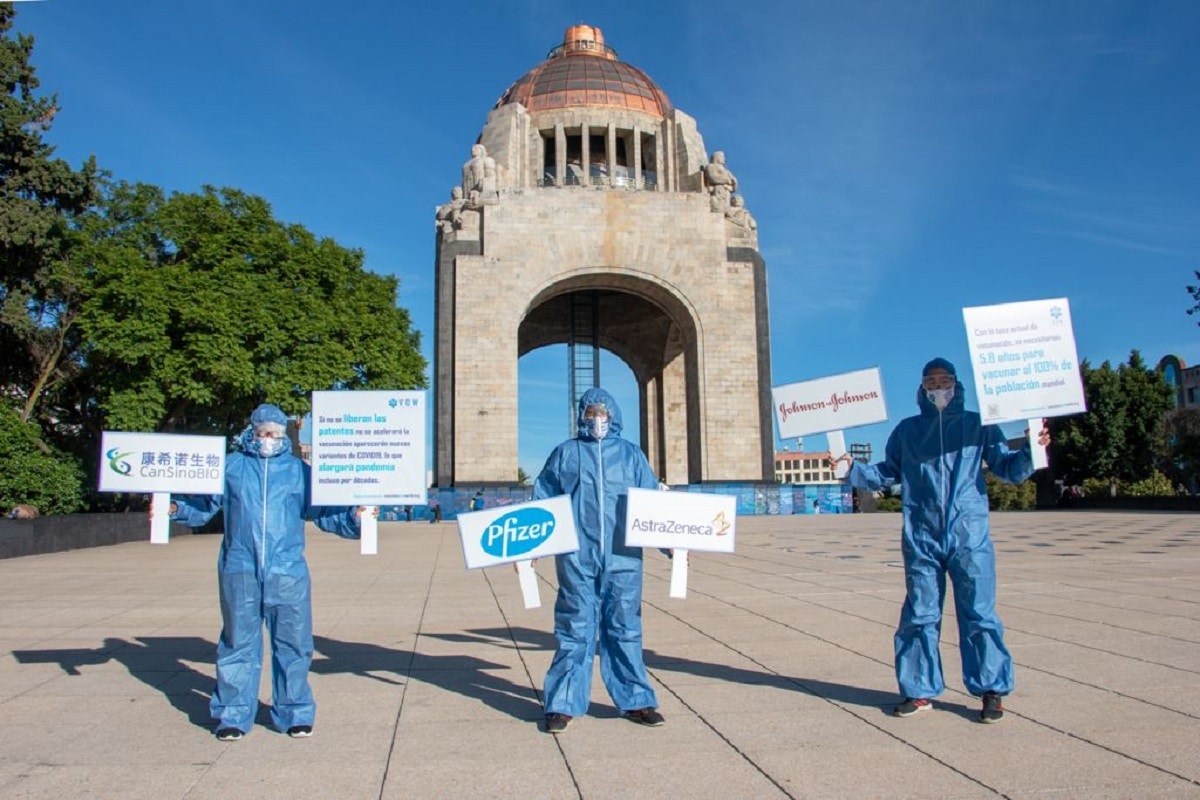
(680,520)
(518,533)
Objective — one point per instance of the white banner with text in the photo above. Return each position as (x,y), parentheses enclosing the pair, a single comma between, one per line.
(1023,356)
(681,520)
(368,448)
(834,403)
(173,463)
(518,532)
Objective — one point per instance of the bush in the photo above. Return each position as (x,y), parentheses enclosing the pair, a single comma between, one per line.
(1157,485)
(1004,496)
(888,503)
(1100,487)
(33,473)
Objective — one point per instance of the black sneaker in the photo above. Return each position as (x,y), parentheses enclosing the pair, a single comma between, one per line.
(557,723)
(229,734)
(646,716)
(300,731)
(993,709)
(912,706)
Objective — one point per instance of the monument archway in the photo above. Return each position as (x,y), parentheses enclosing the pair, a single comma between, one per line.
(605,197)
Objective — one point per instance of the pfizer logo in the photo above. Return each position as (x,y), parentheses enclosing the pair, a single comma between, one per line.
(517,534)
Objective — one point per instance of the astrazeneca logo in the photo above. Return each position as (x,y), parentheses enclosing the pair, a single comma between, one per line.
(117,463)
(517,534)
(718,527)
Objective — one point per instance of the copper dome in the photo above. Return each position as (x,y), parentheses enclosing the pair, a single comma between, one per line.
(583,71)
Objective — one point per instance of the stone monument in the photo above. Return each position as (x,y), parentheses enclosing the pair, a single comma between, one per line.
(678,292)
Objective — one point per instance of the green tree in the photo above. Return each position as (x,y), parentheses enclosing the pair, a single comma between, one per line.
(33,473)
(40,197)
(1117,440)
(1180,446)
(1147,398)
(203,305)
(1089,445)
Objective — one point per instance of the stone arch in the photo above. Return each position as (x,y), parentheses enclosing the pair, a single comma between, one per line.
(655,330)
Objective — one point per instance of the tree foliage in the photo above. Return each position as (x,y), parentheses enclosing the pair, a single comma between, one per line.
(1118,439)
(1194,291)
(31,472)
(1180,446)
(203,305)
(127,309)
(40,197)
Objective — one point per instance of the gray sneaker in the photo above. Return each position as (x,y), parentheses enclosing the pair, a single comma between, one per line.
(993,709)
(912,706)
(557,723)
(646,716)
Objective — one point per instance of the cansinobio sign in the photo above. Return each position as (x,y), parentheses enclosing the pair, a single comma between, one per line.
(518,532)
(683,520)
(161,462)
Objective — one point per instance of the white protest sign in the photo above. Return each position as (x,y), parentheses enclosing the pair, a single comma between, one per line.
(368,448)
(519,533)
(830,405)
(680,521)
(1025,364)
(161,464)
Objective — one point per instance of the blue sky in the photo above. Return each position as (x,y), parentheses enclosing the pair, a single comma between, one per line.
(903,159)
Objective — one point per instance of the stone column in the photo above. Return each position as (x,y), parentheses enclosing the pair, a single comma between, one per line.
(586,150)
(560,154)
(675,434)
(612,152)
(637,157)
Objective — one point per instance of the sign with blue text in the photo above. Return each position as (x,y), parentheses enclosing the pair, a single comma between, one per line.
(161,462)
(368,448)
(519,532)
(681,520)
(1023,355)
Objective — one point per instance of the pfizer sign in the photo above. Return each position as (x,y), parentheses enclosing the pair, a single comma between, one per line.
(517,533)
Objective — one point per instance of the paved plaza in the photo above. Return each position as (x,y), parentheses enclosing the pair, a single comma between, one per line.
(775,674)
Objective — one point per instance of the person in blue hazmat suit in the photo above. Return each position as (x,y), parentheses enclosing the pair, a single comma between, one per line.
(600,585)
(263,576)
(937,458)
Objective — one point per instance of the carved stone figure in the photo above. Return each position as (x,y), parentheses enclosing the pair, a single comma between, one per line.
(450,215)
(738,215)
(479,182)
(720,182)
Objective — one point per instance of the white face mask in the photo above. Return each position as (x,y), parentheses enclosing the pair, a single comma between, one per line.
(598,427)
(940,397)
(270,446)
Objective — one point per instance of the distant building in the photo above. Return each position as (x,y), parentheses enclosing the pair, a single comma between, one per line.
(1184,381)
(807,468)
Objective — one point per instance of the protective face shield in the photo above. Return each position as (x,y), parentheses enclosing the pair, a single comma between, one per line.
(595,419)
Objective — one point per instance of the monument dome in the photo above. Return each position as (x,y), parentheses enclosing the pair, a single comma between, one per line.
(584,71)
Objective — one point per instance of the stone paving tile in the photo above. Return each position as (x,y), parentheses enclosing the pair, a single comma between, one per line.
(775,673)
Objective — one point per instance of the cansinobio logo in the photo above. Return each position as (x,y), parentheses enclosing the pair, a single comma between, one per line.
(517,534)
(117,463)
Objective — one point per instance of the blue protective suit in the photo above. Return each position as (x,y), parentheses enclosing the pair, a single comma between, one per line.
(263,577)
(600,585)
(937,458)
